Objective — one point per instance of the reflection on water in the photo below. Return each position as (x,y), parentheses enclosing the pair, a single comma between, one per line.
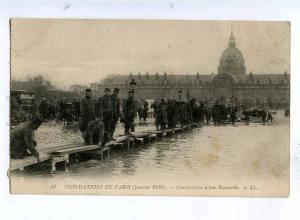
(215,151)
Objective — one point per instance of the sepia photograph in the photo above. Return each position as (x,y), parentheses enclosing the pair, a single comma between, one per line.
(150,107)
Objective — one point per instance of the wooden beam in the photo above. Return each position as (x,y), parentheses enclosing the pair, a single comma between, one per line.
(27,161)
(75,149)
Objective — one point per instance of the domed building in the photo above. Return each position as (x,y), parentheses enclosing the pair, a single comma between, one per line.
(231,83)
(232,60)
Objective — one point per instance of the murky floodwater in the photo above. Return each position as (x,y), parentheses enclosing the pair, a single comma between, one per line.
(226,152)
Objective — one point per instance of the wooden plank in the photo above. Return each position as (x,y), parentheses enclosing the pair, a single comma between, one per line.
(152,137)
(76,149)
(59,147)
(139,140)
(27,161)
(153,132)
(169,131)
(108,144)
(118,144)
(139,135)
(178,129)
(121,138)
(157,133)
(95,151)
(185,127)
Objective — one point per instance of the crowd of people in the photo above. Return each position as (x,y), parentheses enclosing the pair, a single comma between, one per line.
(61,111)
(172,112)
(104,114)
(167,113)
(97,118)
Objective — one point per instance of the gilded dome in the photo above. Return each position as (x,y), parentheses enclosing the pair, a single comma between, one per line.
(232,60)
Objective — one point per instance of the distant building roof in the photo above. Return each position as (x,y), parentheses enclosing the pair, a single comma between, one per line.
(192,79)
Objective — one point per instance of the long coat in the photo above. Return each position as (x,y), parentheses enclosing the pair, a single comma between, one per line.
(87,113)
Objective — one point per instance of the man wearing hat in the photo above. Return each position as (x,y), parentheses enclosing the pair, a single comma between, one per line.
(115,110)
(87,112)
(129,112)
(105,113)
(22,141)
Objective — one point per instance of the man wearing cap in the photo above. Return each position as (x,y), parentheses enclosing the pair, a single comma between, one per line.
(105,113)
(22,139)
(115,111)
(129,112)
(87,112)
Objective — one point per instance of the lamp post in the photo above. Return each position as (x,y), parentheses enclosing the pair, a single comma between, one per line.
(180,94)
(132,85)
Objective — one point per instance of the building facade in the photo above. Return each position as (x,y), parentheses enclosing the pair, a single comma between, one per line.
(231,83)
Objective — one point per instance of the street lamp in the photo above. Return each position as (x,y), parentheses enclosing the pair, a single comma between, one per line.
(180,94)
(132,85)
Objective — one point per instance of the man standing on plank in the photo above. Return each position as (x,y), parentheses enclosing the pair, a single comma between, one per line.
(87,113)
(115,111)
(105,113)
(129,112)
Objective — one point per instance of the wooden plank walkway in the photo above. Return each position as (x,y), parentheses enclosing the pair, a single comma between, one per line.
(117,140)
(122,140)
(27,161)
(153,131)
(76,149)
(47,154)
(61,153)
(178,129)
(140,137)
(157,133)
(169,131)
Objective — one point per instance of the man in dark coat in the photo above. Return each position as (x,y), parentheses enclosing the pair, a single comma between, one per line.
(207,113)
(145,111)
(87,112)
(269,117)
(95,132)
(181,112)
(263,116)
(115,111)
(22,139)
(60,109)
(171,113)
(76,109)
(106,113)
(233,110)
(154,106)
(162,115)
(43,108)
(129,112)
(140,112)
(51,111)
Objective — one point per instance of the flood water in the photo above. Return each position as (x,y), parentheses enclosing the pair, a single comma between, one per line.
(224,151)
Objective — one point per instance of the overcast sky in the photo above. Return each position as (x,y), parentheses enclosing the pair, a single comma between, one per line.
(84,51)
